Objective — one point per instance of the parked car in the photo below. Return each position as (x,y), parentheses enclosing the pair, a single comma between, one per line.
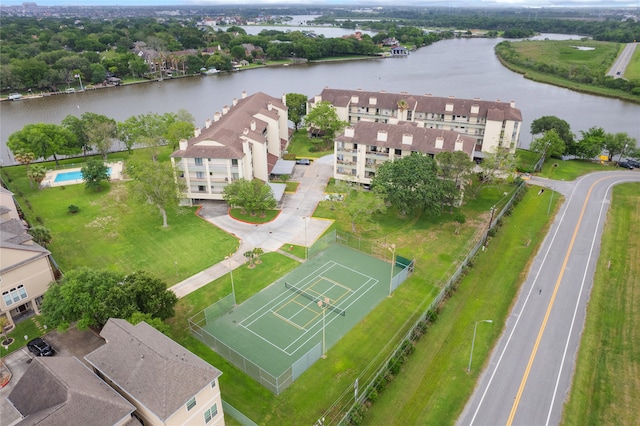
(634,163)
(303,161)
(15,96)
(625,164)
(39,347)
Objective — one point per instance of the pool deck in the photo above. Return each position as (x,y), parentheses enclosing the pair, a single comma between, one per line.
(50,178)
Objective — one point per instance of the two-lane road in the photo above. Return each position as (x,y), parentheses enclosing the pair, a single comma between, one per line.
(530,369)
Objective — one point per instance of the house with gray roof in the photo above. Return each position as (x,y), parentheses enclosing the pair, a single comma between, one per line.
(25,267)
(63,391)
(244,141)
(365,145)
(166,383)
(492,124)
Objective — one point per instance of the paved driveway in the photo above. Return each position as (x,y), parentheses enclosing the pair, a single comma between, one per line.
(294,224)
(72,343)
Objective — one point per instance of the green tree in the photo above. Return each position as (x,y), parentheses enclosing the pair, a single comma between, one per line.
(361,205)
(100,132)
(410,184)
(251,196)
(146,129)
(94,172)
(496,167)
(92,297)
(324,119)
(591,144)
(618,144)
(177,131)
(156,184)
(548,145)
(157,323)
(454,168)
(43,140)
(297,104)
(36,173)
(76,126)
(562,128)
(41,235)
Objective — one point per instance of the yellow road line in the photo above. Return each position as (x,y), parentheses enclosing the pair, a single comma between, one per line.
(516,402)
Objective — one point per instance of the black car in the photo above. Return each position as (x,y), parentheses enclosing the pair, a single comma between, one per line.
(40,348)
(634,163)
(625,164)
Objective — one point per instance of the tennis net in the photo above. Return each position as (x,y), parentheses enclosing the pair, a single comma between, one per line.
(314,298)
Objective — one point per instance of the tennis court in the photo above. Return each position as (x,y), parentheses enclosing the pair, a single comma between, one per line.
(279,331)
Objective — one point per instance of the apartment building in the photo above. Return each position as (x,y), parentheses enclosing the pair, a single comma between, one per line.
(25,267)
(490,124)
(365,145)
(167,384)
(244,141)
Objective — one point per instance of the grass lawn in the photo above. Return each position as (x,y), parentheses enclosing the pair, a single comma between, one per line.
(301,146)
(268,216)
(633,69)
(113,232)
(571,170)
(561,54)
(607,379)
(23,328)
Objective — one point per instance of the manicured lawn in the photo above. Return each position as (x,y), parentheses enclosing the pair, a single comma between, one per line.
(571,170)
(301,146)
(23,328)
(607,383)
(257,218)
(633,69)
(113,232)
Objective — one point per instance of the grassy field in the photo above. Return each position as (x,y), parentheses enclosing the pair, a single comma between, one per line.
(434,384)
(300,146)
(113,232)
(607,379)
(633,69)
(556,55)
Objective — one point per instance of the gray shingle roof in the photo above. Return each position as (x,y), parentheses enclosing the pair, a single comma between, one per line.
(223,139)
(158,373)
(423,139)
(63,391)
(422,103)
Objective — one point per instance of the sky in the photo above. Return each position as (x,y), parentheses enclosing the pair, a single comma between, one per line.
(447,3)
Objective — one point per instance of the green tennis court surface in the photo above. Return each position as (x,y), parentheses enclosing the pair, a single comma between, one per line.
(281,326)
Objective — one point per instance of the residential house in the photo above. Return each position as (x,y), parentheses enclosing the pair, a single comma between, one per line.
(365,145)
(243,142)
(166,383)
(492,124)
(25,267)
(63,391)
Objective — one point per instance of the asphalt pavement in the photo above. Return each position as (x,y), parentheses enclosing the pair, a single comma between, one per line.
(294,224)
(530,370)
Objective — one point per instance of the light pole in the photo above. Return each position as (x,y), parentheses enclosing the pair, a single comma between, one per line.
(473,343)
(233,289)
(392,248)
(323,305)
(306,249)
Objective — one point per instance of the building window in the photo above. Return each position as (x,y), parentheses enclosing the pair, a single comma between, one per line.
(200,175)
(198,161)
(234,161)
(210,413)
(14,295)
(201,188)
(213,384)
(191,403)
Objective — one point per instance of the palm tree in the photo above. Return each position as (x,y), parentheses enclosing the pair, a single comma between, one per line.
(36,174)
(402,107)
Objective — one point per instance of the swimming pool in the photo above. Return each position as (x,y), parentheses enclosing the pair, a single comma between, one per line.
(74,175)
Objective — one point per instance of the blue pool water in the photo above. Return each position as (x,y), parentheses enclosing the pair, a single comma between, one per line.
(75,175)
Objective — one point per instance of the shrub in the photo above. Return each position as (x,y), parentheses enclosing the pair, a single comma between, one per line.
(73,208)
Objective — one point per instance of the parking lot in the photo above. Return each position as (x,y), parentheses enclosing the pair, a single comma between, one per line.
(72,343)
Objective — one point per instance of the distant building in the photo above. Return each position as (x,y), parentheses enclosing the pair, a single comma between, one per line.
(399,51)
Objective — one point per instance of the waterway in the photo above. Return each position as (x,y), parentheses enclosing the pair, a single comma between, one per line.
(464,68)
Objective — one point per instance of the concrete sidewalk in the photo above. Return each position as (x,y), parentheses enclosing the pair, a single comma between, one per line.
(292,226)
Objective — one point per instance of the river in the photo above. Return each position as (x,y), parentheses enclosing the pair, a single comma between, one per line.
(464,68)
